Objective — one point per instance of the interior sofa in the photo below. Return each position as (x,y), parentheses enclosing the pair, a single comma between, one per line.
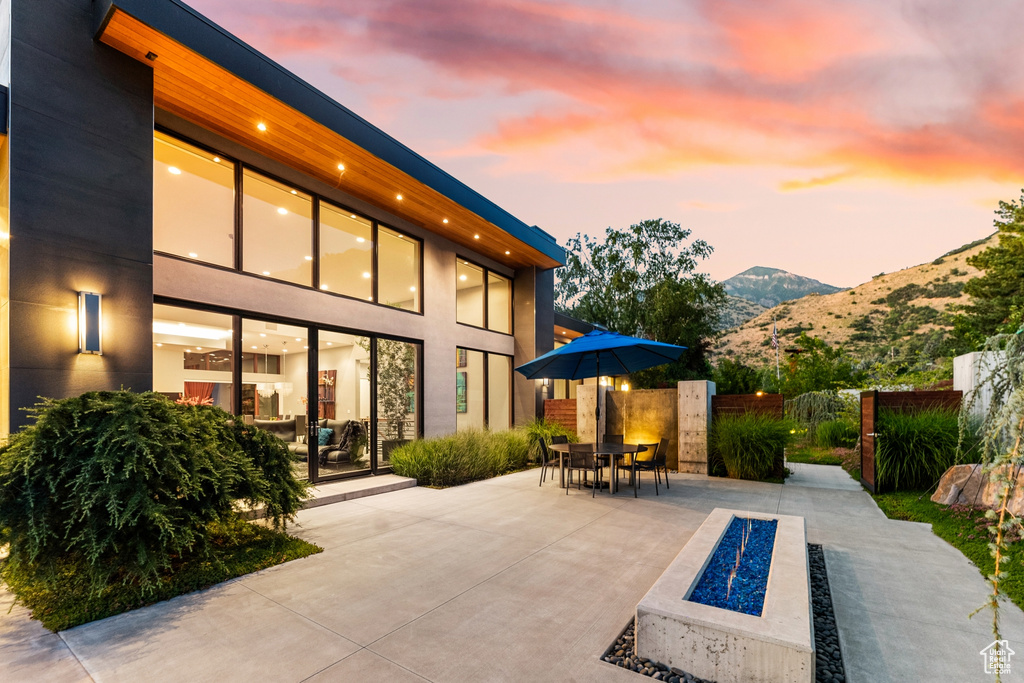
(343,445)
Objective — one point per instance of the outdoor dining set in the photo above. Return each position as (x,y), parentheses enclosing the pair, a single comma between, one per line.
(592,459)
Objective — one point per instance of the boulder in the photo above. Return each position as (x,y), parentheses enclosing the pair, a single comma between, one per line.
(969,485)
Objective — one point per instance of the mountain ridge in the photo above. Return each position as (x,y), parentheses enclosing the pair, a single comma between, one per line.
(769,287)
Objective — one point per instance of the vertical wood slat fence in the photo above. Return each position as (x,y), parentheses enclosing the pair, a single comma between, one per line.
(871,402)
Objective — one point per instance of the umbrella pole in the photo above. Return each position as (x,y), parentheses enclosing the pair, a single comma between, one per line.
(597,403)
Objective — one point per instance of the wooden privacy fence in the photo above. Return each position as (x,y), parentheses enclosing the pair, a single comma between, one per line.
(562,411)
(741,404)
(900,401)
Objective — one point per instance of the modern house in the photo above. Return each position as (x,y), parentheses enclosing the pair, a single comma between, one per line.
(180,213)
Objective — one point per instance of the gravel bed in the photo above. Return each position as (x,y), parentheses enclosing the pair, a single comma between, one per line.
(829,664)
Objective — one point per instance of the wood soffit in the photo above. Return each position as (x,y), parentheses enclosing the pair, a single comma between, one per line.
(194,88)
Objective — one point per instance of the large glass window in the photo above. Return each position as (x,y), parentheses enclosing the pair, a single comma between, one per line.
(192,354)
(499,303)
(277,224)
(398,270)
(469,293)
(343,402)
(346,253)
(499,391)
(398,404)
(470,389)
(5,308)
(193,202)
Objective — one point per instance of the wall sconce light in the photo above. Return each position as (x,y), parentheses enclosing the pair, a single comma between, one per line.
(546,381)
(90,323)
(625,387)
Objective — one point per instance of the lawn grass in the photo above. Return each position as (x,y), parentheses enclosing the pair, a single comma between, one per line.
(964,528)
(238,548)
(812,455)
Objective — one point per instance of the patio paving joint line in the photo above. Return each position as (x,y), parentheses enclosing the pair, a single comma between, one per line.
(299,614)
(67,646)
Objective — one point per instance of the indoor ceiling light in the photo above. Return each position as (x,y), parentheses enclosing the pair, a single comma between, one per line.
(174,170)
(284,350)
(360,239)
(263,334)
(399,197)
(308,258)
(193,254)
(159,344)
(298,339)
(253,347)
(216,160)
(323,286)
(294,192)
(305,347)
(412,289)
(445,220)
(366,275)
(507,252)
(462,277)
(330,343)
(283,211)
(476,237)
(183,330)
(369,298)
(262,127)
(266,272)
(341,167)
(4,235)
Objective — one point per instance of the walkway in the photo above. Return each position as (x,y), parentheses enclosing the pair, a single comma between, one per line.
(504,581)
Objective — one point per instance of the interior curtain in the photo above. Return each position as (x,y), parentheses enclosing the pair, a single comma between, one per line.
(200,390)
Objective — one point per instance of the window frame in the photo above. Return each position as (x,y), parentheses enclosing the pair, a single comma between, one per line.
(315,198)
(486,299)
(487,384)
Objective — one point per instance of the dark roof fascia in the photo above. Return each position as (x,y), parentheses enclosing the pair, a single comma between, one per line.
(568,322)
(183,24)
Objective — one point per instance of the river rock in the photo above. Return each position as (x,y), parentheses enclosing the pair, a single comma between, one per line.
(969,485)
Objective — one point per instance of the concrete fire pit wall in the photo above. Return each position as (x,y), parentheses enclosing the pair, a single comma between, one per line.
(725,646)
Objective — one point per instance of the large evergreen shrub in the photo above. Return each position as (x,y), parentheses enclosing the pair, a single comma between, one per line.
(117,484)
(751,446)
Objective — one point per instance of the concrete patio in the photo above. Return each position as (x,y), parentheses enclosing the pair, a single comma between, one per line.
(502,580)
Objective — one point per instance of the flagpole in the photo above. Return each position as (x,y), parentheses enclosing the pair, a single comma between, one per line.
(775,343)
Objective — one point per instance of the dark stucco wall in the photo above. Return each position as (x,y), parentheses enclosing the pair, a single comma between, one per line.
(81,146)
(534,311)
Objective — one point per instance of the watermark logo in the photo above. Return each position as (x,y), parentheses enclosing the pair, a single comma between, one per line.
(997,657)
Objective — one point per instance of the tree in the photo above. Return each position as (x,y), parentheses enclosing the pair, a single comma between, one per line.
(640,281)
(819,367)
(734,377)
(997,297)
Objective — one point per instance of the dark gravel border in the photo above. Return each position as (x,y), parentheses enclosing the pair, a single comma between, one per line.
(829,663)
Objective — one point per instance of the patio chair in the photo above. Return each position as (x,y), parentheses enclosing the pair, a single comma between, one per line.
(547,459)
(651,460)
(583,460)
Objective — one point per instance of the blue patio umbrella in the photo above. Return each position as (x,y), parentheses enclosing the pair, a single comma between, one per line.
(587,356)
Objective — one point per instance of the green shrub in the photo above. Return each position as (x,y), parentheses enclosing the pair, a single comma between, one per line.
(118,484)
(462,457)
(836,434)
(912,450)
(750,446)
(542,428)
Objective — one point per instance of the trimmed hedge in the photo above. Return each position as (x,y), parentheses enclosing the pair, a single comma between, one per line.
(119,485)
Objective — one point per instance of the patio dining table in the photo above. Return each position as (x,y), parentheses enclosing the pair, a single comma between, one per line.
(612,451)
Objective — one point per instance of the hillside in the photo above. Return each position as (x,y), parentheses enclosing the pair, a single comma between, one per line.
(738,311)
(771,286)
(897,312)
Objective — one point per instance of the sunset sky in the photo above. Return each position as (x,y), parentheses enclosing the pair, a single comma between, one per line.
(835,139)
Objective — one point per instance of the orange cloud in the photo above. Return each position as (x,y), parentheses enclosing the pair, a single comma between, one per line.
(830,179)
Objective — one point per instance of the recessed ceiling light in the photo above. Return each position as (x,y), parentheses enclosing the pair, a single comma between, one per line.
(254,347)
(284,350)
(399,197)
(366,275)
(323,287)
(216,160)
(188,350)
(462,277)
(341,167)
(507,252)
(262,127)
(412,289)
(305,347)
(263,334)
(308,258)
(283,211)
(369,298)
(199,348)
(159,344)
(298,339)
(360,239)
(266,272)
(445,220)
(193,254)
(476,237)
(330,343)
(294,192)
(174,170)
